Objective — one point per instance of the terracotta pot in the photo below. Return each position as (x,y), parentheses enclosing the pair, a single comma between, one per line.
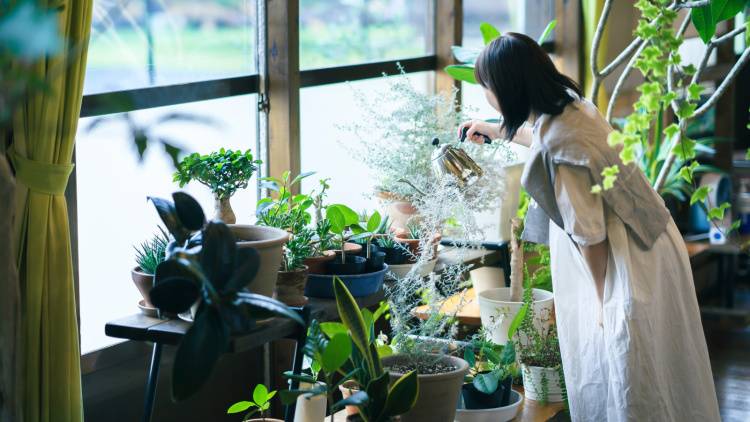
(144,282)
(438,393)
(402,236)
(317,264)
(290,287)
(398,208)
(268,242)
(347,389)
(223,211)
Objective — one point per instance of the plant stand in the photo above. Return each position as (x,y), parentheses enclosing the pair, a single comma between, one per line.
(139,327)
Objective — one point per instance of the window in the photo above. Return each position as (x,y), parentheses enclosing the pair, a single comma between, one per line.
(337,33)
(113,214)
(140,43)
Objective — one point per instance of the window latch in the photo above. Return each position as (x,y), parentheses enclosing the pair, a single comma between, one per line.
(263,104)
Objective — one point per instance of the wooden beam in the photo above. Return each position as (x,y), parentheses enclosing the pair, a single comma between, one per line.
(447,32)
(282,85)
(568,39)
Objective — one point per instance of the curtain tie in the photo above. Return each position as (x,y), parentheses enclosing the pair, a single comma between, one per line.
(41,177)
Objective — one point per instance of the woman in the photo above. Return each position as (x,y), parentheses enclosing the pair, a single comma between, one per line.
(628,321)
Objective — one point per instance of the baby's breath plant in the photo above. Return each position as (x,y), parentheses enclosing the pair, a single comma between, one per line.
(394,139)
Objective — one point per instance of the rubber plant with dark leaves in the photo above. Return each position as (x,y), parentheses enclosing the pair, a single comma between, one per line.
(203,263)
(377,402)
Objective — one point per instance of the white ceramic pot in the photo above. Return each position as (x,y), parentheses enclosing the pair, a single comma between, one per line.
(310,408)
(486,278)
(268,242)
(498,414)
(534,378)
(497,311)
(400,271)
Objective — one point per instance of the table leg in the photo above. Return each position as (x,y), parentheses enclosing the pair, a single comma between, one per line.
(299,355)
(153,377)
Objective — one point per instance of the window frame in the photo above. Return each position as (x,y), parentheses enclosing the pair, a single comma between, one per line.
(444,12)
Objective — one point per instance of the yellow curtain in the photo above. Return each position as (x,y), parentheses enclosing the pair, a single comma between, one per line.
(592,10)
(43,133)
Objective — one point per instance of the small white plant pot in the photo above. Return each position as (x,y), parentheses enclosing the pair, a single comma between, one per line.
(534,380)
(400,271)
(497,414)
(497,311)
(309,408)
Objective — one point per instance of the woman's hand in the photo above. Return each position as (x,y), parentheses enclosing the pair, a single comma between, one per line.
(479,126)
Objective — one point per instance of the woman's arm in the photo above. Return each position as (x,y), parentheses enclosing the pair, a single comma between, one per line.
(523,135)
(596,257)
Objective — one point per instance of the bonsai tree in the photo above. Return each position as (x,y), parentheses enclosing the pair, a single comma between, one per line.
(223,171)
(260,404)
(203,265)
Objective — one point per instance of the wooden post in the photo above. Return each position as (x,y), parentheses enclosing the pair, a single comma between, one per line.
(282,84)
(447,32)
(568,38)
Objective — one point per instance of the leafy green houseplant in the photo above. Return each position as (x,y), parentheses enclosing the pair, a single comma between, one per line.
(223,171)
(538,350)
(290,285)
(285,210)
(342,220)
(492,370)
(260,403)
(204,266)
(148,255)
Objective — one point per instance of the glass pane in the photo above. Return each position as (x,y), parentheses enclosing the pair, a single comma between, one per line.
(324,138)
(113,214)
(501,14)
(140,43)
(342,32)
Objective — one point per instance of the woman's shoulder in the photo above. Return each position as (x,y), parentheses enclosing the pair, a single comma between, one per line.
(579,123)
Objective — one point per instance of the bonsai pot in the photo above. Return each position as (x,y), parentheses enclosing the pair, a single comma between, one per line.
(321,285)
(394,256)
(400,271)
(398,208)
(353,265)
(475,399)
(347,389)
(268,242)
(317,264)
(438,393)
(534,378)
(144,282)
(290,287)
(376,261)
(402,236)
(497,311)
(498,414)
(310,408)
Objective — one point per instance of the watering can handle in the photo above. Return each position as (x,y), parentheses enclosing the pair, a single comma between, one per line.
(487,139)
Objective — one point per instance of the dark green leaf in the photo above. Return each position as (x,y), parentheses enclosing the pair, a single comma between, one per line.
(517,320)
(351,316)
(301,378)
(265,306)
(176,286)
(247,264)
(377,391)
(469,356)
(358,399)
(703,22)
(722,10)
(168,215)
(188,211)
(403,395)
(509,354)
(199,350)
(218,254)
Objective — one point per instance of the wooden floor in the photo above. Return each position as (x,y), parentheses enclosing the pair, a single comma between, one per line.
(728,339)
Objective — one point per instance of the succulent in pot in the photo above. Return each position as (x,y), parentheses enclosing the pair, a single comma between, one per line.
(395,253)
(223,171)
(412,237)
(290,286)
(203,264)
(148,255)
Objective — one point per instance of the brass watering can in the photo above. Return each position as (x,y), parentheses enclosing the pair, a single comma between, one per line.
(447,159)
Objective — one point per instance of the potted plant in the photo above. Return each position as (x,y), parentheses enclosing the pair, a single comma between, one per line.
(290,286)
(395,253)
(538,351)
(342,219)
(223,171)
(499,306)
(323,248)
(260,404)
(411,237)
(487,394)
(372,226)
(204,265)
(148,256)
(374,398)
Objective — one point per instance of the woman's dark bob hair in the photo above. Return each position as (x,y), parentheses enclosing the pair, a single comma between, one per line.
(524,80)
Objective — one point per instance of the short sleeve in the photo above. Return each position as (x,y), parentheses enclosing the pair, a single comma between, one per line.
(582,211)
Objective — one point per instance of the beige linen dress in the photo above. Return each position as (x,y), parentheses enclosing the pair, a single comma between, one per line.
(642,356)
